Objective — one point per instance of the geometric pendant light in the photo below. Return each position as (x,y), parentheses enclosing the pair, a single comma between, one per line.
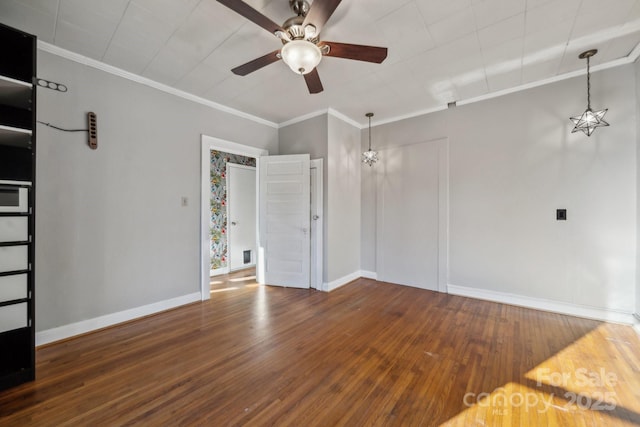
(588,121)
(369,157)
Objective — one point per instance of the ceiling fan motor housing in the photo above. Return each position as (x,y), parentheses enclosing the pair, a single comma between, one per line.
(299,7)
(295,30)
(294,27)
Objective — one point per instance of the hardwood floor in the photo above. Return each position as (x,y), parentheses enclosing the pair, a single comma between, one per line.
(366,354)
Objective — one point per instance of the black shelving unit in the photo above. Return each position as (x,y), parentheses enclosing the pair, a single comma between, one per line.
(17,206)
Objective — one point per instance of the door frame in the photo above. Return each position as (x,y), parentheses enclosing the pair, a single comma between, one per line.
(209,143)
(317,238)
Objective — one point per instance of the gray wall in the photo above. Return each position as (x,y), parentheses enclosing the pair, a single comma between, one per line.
(337,142)
(637,92)
(310,136)
(513,161)
(424,128)
(344,168)
(368,215)
(111,234)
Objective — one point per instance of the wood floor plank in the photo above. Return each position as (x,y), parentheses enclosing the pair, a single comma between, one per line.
(367,354)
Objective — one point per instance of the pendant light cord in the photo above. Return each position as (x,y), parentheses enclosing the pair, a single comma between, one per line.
(369,133)
(588,86)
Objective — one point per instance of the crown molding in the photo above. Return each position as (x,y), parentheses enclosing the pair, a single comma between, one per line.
(46,47)
(303,118)
(328,111)
(81,59)
(337,114)
(630,59)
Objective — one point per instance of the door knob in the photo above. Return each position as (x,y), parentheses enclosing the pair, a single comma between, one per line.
(315,217)
(234,223)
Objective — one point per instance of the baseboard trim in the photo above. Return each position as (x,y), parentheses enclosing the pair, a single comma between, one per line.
(335,284)
(84,326)
(596,313)
(219,271)
(369,274)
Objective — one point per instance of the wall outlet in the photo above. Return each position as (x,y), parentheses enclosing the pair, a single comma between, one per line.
(561,214)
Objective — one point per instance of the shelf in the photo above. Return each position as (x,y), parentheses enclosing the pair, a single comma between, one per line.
(5,214)
(15,92)
(15,182)
(15,136)
(21,243)
(14,272)
(14,302)
(17,168)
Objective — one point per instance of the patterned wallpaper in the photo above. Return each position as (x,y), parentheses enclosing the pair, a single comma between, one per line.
(218,223)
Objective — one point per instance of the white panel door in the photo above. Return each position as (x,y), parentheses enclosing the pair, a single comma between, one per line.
(284,220)
(241,215)
(408,212)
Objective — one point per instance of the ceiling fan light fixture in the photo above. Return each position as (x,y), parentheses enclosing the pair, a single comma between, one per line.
(282,35)
(301,56)
(309,31)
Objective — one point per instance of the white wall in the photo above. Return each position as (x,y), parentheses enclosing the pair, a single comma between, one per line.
(111,233)
(344,169)
(513,161)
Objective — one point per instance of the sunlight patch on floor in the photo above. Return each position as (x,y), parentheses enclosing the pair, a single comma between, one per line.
(244,279)
(591,385)
(576,383)
(505,405)
(232,288)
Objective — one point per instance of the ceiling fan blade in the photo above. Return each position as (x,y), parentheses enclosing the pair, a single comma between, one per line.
(252,15)
(257,63)
(313,81)
(356,51)
(320,12)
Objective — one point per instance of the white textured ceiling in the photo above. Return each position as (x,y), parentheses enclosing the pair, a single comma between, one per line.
(439,50)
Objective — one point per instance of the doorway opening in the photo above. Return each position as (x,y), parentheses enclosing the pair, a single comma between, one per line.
(314,213)
(232,225)
(214,225)
(239,280)
(241,210)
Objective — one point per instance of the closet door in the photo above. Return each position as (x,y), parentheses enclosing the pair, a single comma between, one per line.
(411,200)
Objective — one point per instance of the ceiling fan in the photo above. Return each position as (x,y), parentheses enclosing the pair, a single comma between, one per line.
(302,49)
